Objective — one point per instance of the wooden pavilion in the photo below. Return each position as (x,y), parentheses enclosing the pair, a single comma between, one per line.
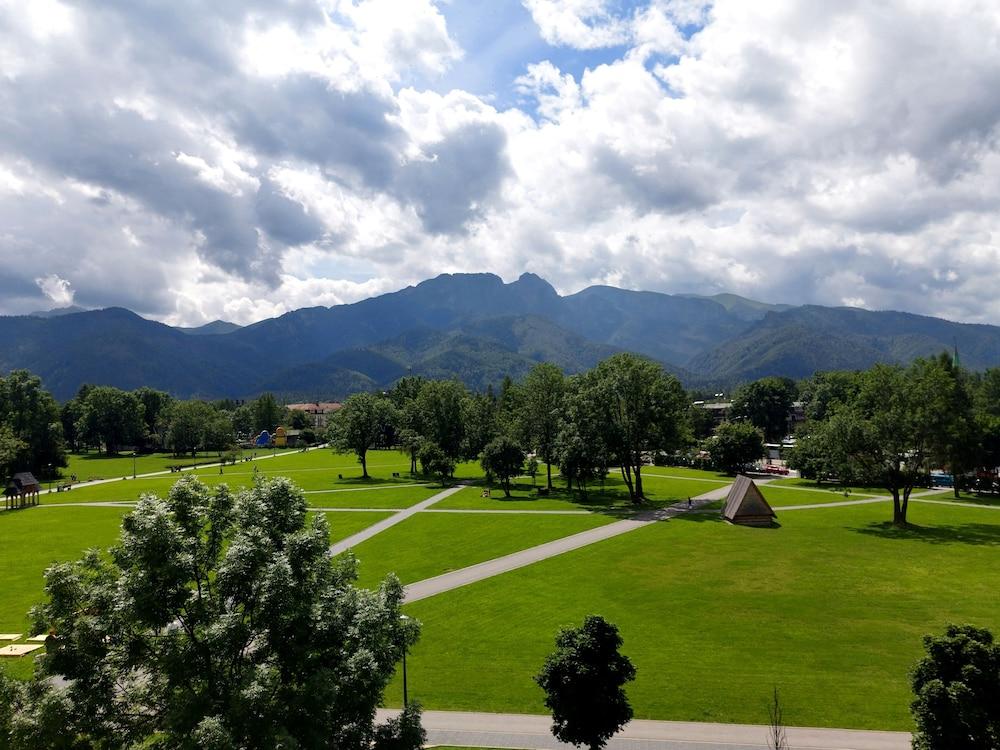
(22,491)
(745,504)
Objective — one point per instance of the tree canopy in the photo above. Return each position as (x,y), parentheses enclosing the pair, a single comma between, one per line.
(503,459)
(643,410)
(736,446)
(359,424)
(766,404)
(584,680)
(957,689)
(218,621)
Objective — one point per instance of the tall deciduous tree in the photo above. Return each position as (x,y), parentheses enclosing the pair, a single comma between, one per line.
(735,446)
(34,419)
(359,424)
(766,404)
(957,687)
(112,417)
(504,459)
(156,406)
(268,414)
(582,451)
(642,408)
(216,622)
(218,434)
(189,420)
(583,682)
(10,448)
(540,411)
(957,443)
(440,415)
(886,434)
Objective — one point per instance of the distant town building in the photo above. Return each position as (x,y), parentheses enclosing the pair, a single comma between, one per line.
(319,411)
(722,410)
(718,409)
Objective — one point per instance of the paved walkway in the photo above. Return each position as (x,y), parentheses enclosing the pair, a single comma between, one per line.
(367,489)
(531,731)
(463,577)
(378,528)
(167,472)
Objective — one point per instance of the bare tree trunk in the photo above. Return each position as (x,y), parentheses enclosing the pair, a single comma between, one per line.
(898,509)
(627,476)
(639,497)
(364,464)
(776,739)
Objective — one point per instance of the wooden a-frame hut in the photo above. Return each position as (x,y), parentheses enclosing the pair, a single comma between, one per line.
(745,505)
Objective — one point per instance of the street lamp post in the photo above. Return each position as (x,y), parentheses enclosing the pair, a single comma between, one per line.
(404,618)
(133,464)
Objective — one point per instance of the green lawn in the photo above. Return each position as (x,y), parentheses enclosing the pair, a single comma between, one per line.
(778,496)
(827,486)
(429,544)
(102,466)
(316,472)
(830,608)
(968,497)
(660,489)
(30,541)
(347,523)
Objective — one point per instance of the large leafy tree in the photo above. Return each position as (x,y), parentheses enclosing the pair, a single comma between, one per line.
(735,446)
(34,419)
(887,434)
(268,414)
(957,688)
(10,448)
(479,416)
(111,417)
(642,408)
(503,459)
(156,407)
(439,405)
(218,435)
(359,425)
(216,622)
(188,423)
(825,392)
(582,451)
(957,442)
(766,403)
(540,411)
(583,682)
(986,406)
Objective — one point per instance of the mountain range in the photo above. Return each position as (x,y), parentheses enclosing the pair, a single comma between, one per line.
(479,329)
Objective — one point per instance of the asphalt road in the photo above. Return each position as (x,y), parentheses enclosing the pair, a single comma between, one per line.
(475,729)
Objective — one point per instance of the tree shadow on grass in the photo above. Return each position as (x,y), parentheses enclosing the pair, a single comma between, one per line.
(966,533)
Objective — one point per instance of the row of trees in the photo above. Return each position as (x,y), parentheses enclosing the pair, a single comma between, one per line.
(36,433)
(108,418)
(614,415)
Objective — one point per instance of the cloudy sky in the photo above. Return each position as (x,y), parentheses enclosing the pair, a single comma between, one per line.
(234,159)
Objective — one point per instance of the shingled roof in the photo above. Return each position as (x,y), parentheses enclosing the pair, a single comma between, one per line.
(25,479)
(746,505)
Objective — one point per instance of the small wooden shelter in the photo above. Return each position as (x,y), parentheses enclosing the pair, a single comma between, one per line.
(746,505)
(23,490)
